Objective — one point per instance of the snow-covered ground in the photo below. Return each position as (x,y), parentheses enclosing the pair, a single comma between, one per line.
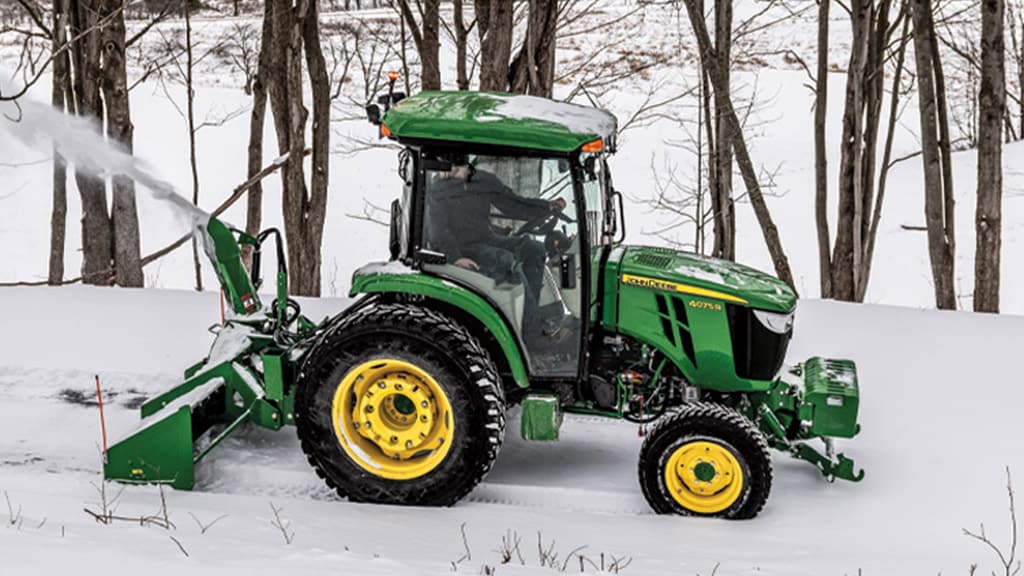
(940,405)
(939,391)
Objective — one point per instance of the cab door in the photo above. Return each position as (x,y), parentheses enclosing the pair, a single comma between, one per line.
(510,233)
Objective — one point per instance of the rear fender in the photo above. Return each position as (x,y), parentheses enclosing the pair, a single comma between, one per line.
(382,280)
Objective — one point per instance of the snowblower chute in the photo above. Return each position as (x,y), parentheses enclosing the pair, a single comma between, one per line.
(243,379)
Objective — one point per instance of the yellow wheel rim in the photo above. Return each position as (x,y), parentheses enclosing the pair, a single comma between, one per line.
(392,419)
(704,477)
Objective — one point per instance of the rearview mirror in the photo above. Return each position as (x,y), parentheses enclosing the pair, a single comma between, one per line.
(373,114)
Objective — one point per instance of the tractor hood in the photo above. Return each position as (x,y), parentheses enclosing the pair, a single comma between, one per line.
(674,271)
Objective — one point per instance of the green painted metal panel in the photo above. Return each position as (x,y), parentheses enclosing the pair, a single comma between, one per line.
(224,253)
(273,376)
(498,119)
(157,403)
(541,418)
(686,273)
(161,452)
(691,331)
(392,277)
(610,281)
(831,387)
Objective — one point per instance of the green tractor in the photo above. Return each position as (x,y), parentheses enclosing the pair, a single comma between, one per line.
(508,284)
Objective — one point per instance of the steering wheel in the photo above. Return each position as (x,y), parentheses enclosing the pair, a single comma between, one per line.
(543,224)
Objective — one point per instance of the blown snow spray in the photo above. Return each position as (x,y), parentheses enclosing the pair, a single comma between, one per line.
(80,140)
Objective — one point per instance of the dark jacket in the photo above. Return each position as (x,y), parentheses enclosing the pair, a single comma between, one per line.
(459,212)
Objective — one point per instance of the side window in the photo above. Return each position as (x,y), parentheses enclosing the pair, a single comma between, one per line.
(507,228)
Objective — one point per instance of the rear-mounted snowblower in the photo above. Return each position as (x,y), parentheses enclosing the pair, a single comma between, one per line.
(508,284)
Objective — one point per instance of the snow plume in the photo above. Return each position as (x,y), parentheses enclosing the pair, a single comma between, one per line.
(81,141)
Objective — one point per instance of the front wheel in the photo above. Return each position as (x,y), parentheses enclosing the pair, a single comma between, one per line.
(400,405)
(706,460)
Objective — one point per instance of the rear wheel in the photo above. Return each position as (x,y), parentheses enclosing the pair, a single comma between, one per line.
(400,405)
(706,460)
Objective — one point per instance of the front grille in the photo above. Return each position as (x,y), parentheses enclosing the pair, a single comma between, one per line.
(757,351)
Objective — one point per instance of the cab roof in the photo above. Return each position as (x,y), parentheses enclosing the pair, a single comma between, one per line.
(500,119)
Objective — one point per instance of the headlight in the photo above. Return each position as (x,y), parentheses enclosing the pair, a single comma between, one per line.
(778,323)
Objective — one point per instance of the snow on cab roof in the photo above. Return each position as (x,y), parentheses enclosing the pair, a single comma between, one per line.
(500,119)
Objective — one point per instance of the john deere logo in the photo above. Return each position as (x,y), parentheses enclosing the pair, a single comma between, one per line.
(649,283)
(656,284)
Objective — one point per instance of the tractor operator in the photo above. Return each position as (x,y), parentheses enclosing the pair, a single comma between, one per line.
(460,224)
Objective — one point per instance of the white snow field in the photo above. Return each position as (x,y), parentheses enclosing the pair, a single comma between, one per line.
(941,391)
(940,415)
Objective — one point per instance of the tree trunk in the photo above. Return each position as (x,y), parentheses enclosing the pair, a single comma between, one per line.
(723,151)
(125,219)
(316,205)
(429,55)
(874,93)
(426,40)
(254,201)
(295,192)
(462,76)
(851,155)
(304,210)
(532,70)
(494,21)
(820,155)
(992,109)
(190,97)
(938,212)
(61,98)
(724,103)
(97,229)
(890,132)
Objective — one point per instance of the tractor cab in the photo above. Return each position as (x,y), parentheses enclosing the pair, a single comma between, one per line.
(509,197)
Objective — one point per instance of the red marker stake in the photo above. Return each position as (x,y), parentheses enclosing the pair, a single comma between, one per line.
(103,422)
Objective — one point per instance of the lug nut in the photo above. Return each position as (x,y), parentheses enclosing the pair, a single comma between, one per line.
(408,443)
(382,385)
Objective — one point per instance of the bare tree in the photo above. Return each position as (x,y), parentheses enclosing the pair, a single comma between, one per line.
(992,109)
(190,103)
(532,71)
(425,35)
(257,120)
(294,31)
(101,89)
(821,155)
(61,98)
(460,36)
(494,24)
(936,152)
(723,101)
(865,93)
